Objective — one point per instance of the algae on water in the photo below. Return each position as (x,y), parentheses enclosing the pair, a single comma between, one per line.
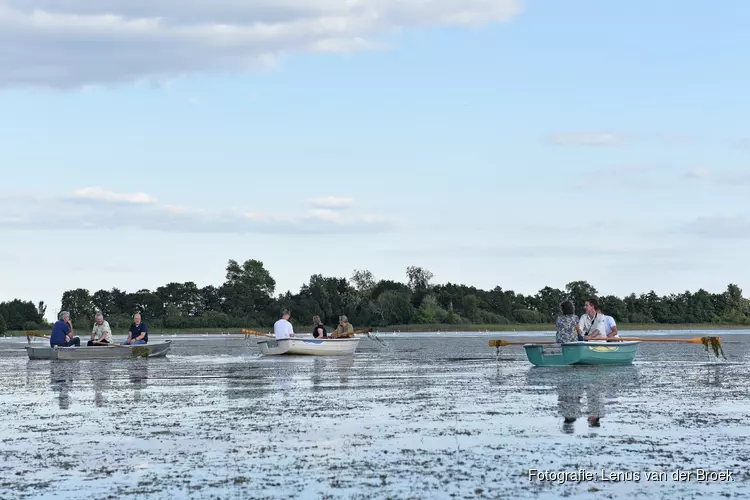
(141,352)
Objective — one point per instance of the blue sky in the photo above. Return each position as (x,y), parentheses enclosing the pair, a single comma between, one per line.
(519,144)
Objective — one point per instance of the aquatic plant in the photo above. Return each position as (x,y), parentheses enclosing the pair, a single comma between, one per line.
(141,352)
(715,344)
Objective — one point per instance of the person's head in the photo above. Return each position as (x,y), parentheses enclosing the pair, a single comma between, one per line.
(316,321)
(343,320)
(99,318)
(65,316)
(137,319)
(285,314)
(567,308)
(591,306)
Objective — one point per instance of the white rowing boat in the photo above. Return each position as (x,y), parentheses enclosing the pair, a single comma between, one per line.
(151,350)
(309,346)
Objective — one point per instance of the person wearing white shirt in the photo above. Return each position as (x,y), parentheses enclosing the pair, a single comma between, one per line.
(282,329)
(610,327)
(592,324)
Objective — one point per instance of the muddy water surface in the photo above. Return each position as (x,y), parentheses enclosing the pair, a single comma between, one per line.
(423,416)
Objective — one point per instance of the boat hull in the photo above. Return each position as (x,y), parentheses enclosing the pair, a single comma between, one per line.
(582,353)
(153,350)
(309,347)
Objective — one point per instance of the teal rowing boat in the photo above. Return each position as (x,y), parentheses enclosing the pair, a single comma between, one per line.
(582,353)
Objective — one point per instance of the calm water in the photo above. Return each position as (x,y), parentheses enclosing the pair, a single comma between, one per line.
(423,416)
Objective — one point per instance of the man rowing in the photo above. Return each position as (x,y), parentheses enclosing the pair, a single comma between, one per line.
(344,330)
(138,332)
(101,333)
(62,333)
(593,324)
(283,329)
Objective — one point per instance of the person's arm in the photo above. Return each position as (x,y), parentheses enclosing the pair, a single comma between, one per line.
(130,334)
(93,332)
(579,325)
(291,330)
(612,326)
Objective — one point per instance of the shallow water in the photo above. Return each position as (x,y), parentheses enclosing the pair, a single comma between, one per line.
(423,416)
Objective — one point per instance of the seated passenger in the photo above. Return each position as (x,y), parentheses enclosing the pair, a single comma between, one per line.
(318,329)
(138,333)
(345,330)
(566,324)
(100,333)
(283,329)
(62,333)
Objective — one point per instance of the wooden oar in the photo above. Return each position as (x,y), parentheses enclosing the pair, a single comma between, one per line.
(34,334)
(255,332)
(696,340)
(502,342)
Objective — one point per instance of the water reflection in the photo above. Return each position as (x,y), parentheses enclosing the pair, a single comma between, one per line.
(138,376)
(62,376)
(600,385)
(100,373)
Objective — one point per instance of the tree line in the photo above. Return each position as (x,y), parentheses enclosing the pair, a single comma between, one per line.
(247,299)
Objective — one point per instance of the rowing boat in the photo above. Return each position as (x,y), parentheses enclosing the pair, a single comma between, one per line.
(309,346)
(152,350)
(582,353)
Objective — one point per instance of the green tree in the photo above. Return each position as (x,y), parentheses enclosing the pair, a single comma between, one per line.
(579,292)
(79,304)
(394,308)
(3,327)
(248,289)
(548,301)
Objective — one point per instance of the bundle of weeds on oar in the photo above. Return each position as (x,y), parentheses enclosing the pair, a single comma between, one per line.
(715,343)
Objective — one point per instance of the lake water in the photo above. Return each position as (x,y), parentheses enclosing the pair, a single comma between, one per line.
(423,416)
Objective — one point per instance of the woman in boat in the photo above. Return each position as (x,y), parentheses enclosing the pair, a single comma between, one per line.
(318,329)
(345,330)
(566,324)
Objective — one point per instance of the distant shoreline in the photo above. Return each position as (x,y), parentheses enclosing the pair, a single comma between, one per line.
(544,327)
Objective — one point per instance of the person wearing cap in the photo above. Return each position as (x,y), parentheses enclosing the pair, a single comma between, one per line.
(283,329)
(101,333)
(62,333)
(344,330)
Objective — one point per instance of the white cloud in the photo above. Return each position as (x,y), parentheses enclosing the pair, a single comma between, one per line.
(331,202)
(73,43)
(728,227)
(103,196)
(589,138)
(735,177)
(91,208)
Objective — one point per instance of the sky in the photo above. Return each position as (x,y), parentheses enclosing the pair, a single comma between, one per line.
(493,142)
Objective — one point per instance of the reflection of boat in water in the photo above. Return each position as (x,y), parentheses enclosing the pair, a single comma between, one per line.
(309,346)
(155,349)
(600,387)
(582,353)
(62,377)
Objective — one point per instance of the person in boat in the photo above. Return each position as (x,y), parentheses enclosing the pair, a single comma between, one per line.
(101,333)
(610,327)
(318,329)
(566,324)
(283,329)
(138,332)
(62,333)
(344,330)
(593,323)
